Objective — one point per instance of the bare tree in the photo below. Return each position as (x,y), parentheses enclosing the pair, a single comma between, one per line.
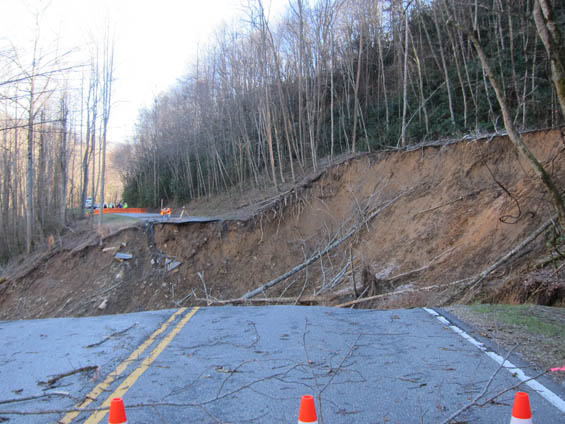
(64,162)
(405,80)
(515,136)
(107,79)
(38,78)
(550,35)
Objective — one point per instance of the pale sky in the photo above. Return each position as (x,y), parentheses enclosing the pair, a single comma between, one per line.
(155,40)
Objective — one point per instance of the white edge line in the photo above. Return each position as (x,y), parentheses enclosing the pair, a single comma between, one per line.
(551,397)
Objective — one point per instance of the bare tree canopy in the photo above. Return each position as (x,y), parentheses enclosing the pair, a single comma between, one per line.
(269,98)
(42,119)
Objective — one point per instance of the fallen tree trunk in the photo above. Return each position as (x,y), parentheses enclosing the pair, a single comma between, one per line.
(318,255)
(472,281)
(379,296)
(512,252)
(270,301)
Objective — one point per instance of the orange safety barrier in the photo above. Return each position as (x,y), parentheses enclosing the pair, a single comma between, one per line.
(121,210)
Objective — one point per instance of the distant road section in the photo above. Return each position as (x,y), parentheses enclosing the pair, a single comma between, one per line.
(252,365)
(141,213)
(155,217)
(121,210)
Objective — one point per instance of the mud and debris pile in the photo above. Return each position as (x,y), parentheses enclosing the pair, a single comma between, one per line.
(385,230)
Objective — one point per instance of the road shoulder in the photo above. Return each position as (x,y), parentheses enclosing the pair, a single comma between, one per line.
(536,333)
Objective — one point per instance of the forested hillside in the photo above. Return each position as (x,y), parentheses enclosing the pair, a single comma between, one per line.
(269,99)
(274,97)
(54,110)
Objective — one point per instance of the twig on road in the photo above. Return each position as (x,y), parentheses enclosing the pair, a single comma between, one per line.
(43,396)
(52,381)
(117,333)
(475,402)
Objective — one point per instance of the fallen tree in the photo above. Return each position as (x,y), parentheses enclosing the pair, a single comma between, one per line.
(471,282)
(321,253)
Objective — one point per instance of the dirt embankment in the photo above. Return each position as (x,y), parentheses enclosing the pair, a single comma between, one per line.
(410,228)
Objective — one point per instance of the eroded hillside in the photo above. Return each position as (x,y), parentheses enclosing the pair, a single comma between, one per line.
(389,229)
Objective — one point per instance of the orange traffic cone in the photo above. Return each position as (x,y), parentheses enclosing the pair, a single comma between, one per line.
(117,412)
(307,412)
(521,414)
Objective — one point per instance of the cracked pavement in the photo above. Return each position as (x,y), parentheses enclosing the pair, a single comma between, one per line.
(253,364)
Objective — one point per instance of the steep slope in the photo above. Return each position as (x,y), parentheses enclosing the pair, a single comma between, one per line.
(421,222)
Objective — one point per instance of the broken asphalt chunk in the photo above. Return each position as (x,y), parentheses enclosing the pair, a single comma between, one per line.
(172,265)
(123,256)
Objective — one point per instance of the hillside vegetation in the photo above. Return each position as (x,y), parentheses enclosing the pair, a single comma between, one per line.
(270,98)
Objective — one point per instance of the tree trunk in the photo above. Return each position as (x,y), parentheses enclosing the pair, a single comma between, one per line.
(356,93)
(107,77)
(553,43)
(64,164)
(30,166)
(41,194)
(405,82)
(515,137)
(445,71)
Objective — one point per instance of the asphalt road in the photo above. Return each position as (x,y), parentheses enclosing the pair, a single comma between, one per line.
(252,365)
(156,217)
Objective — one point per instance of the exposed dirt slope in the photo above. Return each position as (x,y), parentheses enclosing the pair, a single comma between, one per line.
(441,215)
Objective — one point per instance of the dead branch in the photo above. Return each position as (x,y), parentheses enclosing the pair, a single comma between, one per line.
(472,281)
(378,296)
(90,299)
(300,300)
(52,381)
(433,208)
(303,287)
(318,255)
(335,371)
(43,396)
(477,280)
(308,300)
(184,299)
(309,363)
(395,279)
(96,241)
(231,372)
(115,334)
(554,257)
(270,203)
(336,280)
(514,387)
(496,396)
(201,275)
(353,273)
(288,287)
(483,392)
(423,268)
(132,406)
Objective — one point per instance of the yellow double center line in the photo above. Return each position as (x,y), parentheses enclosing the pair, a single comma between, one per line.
(135,374)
